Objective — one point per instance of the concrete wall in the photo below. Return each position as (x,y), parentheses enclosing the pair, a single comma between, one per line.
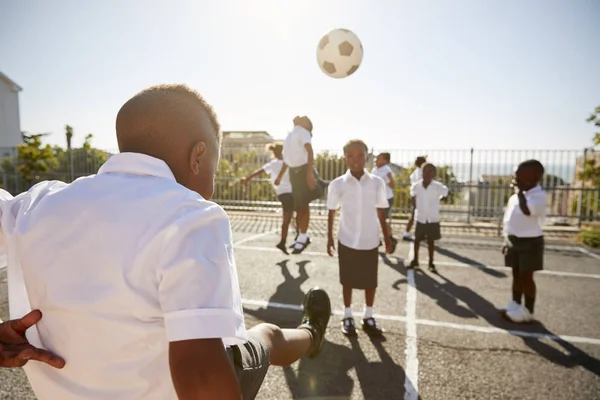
(10,124)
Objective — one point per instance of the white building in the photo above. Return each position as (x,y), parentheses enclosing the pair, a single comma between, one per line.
(10,124)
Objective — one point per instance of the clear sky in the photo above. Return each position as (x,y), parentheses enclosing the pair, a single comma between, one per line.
(436,74)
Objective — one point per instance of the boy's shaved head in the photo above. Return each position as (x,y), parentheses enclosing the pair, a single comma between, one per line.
(173,123)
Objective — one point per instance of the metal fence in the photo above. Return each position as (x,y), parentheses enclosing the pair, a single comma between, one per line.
(479,180)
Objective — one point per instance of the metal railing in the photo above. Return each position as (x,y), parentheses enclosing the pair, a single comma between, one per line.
(479,180)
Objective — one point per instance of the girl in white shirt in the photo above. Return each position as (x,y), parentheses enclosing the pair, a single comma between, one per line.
(283,190)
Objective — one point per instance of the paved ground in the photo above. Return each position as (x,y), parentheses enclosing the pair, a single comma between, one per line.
(445,338)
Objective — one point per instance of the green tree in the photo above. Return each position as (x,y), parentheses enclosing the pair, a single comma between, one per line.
(590,175)
(34,161)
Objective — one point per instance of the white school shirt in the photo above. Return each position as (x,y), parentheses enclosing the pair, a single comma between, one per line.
(518,224)
(273,168)
(120,264)
(416,176)
(294,152)
(428,200)
(359,225)
(383,174)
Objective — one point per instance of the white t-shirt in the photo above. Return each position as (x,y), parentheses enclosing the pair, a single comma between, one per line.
(518,224)
(416,176)
(120,264)
(428,200)
(359,226)
(383,173)
(273,168)
(294,152)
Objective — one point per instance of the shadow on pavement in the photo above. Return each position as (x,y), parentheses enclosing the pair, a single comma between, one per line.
(447,293)
(470,261)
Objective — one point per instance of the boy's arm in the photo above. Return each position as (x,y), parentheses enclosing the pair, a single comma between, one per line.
(333,203)
(445,192)
(253,175)
(330,239)
(199,296)
(310,175)
(382,205)
(392,182)
(283,169)
(200,369)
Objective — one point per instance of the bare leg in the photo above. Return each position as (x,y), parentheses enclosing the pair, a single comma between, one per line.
(347,292)
(287,218)
(517,286)
(529,289)
(416,250)
(370,297)
(303,217)
(286,346)
(431,248)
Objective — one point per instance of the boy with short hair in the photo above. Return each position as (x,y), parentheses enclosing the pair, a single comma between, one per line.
(143,300)
(426,195)
(524,238)
(383,170)
(414,177)
(363,200)
(283,188)
(298,156)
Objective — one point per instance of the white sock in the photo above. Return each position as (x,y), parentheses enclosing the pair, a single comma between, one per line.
(348,312)
(368,312)
(302,237)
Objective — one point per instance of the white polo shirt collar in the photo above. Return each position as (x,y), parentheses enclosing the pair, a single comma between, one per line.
(348,176)
(137,164)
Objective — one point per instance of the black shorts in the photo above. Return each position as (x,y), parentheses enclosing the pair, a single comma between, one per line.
(358,268)
(387,211)
(303,196)
(431,231)
(287,201)
(251,363)
(524,254)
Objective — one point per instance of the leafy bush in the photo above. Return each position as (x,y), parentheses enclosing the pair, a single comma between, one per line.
(590,237)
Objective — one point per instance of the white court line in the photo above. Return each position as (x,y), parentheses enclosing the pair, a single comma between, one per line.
(440,324)
(254,237)
(443,263)
(588,253)
(411,380)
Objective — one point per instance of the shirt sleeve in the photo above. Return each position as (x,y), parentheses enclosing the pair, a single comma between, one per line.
(305,137)
(537,203)
(198,288)
(333,195)
(413,191)
(443,190)
(268,168)
(5,197)
(382,201)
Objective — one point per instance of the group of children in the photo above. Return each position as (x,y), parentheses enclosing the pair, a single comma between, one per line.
(366,203)
(155,295)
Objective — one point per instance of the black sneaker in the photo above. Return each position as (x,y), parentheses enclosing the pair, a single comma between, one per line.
(432,267)
(413,264)
(317,310)
(301,249)
(370,326)
(281,246)
(348,327)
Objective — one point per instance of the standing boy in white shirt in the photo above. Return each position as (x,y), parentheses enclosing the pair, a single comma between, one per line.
(299,158)
(426,195)
(283,189)
(133,269)
(524,238)
(363,200)
(383,170)
(414,177)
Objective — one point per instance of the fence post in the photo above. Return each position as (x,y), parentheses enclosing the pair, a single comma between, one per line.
(470,188)
(581,190)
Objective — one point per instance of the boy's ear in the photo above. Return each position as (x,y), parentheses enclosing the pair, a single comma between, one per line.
(196,157)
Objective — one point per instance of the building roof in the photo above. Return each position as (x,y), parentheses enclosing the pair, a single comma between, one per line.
(10,82)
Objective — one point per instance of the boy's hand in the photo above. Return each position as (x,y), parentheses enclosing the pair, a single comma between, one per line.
(388,245)
(310,180)
(410,224)
(330,247)
(15,350)
(243,181)
(277,181)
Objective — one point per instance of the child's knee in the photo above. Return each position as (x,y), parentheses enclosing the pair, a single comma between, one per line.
(271,333)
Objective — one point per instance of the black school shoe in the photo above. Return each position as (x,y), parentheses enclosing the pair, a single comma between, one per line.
(432,267)
(413,264)
(317,310)
(281,246)
(304,246)
(348,327)
(370,327)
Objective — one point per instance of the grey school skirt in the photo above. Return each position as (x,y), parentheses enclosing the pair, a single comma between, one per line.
(358,268)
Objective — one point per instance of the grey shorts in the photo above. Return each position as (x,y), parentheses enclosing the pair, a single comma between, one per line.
(430,231)
(387,211)
(251,363)
(524,254)
(303,196)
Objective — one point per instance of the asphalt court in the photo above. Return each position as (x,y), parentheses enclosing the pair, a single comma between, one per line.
(459,347)
(465,348)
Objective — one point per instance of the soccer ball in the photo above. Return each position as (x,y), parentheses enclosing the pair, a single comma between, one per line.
(339,53)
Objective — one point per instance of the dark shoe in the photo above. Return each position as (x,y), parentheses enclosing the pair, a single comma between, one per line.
(281,246)
(394,243)
(432,268)
(413,264)
(348,327)
(304,246)
(370,326)
(294,243)
(317,310)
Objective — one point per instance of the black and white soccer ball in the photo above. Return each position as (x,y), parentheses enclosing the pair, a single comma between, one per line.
(339,53)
